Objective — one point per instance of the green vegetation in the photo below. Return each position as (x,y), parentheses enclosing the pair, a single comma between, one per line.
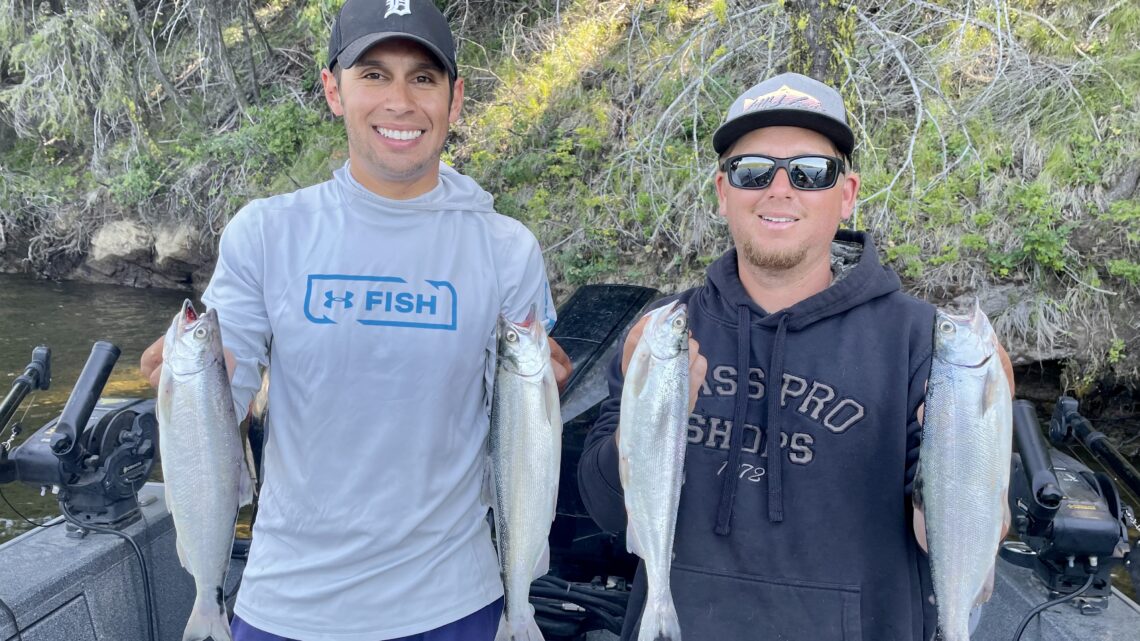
(996,142)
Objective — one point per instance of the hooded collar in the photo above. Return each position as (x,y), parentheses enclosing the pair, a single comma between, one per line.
(857,277)
(453,192)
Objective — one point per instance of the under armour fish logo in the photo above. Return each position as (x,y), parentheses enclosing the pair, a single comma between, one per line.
(330,298)
(389,301)
(398,8)
(785,96)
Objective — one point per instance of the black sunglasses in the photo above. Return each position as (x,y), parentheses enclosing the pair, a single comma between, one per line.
(808,173)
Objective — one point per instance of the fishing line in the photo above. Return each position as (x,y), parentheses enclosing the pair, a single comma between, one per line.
(1035,611)
(138,552)
(26,519)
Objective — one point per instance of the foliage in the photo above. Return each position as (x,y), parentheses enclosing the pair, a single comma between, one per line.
(995,140)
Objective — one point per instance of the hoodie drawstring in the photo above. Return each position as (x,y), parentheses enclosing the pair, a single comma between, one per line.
(771,434)
(739,412)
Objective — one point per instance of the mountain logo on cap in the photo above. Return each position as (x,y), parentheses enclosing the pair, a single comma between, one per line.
(783,98)
(398,8)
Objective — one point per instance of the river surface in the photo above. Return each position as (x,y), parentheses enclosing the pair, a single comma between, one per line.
(69,317)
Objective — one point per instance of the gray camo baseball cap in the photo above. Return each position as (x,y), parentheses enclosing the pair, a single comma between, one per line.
(791,100)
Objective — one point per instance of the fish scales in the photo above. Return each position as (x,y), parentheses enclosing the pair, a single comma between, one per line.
(526,447)
(651,446)
(203,465)
(964,466)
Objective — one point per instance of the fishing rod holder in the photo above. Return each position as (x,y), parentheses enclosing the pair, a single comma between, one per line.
(36,376)
(96,455)
(1069,519)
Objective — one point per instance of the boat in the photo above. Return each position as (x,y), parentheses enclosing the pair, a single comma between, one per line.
(106,569)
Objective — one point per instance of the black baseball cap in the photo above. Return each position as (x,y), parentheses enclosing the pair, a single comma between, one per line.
(363,23)
(791,100)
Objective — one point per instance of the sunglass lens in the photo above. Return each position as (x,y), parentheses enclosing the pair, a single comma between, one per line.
(753,172)
(812,172)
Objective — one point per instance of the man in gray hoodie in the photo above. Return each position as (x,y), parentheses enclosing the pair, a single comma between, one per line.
(380,290)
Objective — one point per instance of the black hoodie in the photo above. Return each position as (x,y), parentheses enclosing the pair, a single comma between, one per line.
(817,545)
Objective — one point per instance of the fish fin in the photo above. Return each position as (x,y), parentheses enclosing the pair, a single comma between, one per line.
(659,620)
(554,420)
(525,630)
(181,553)
(987,589)
(996,389)
(502,633)
(542,566)
(632,543)
(208,619)
(487,488)
(916,488)
(638,367)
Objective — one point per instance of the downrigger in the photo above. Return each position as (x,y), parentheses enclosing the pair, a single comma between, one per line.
(96,455)
(1071,521)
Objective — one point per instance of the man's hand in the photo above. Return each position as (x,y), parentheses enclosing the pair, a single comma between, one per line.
(560,363)
(698,365)
(151,362)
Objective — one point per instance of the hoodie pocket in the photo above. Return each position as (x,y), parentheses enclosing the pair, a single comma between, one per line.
(715,604)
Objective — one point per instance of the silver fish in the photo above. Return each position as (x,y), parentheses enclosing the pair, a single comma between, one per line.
(963,472)
(651,446)
(526,447)
(203,464)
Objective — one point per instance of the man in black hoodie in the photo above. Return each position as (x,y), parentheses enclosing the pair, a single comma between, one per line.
(802,335)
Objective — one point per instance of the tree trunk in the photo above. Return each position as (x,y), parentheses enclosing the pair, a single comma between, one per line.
(214,35)
(823,34)
(152,56)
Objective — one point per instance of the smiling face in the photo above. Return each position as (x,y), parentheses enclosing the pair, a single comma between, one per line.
(397,105)
(782,229)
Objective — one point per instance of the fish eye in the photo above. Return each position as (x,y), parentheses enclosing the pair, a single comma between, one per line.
(946,327)
(512,336)
(200,332)
(679,322)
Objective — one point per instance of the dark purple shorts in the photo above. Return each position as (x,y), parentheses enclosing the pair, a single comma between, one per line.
(478,626)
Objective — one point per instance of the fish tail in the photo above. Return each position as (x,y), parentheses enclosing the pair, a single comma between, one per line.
(513,627)
(659,620)
(526,631)
(208,619)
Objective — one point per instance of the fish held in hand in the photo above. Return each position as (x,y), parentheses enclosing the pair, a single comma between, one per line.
(526,447)
(964,462)
(203,466)
(651,446)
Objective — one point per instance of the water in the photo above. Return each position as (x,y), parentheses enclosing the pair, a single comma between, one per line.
(69,318)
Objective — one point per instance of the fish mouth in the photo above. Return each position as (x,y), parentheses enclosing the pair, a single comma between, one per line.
(186,316)
(977,365)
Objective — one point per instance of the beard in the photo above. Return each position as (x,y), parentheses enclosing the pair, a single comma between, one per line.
(770,259)
(384,168)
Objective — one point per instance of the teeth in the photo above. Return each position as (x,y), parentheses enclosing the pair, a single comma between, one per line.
(399,134)
(778,220)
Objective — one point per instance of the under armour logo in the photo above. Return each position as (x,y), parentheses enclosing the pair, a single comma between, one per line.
(398,8)
(330,299)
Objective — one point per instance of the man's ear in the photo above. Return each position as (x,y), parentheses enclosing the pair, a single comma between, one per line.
(456,101)
(332,92)
(721,182)
(850,194)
